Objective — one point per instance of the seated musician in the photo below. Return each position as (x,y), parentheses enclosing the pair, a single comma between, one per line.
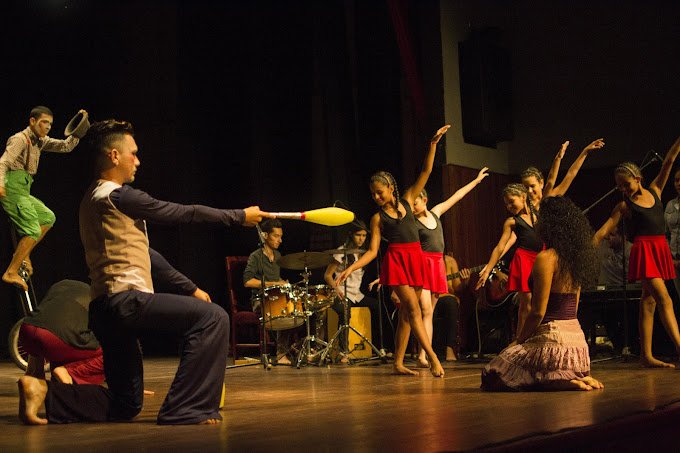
(612,276)
(263,262)
(355,240)
(612,269)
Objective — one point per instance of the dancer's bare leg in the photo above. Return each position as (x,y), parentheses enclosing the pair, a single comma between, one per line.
(401,342)
(32,393)
(409,300)
(427,304)
(646,328)
(657,288)
(523,310)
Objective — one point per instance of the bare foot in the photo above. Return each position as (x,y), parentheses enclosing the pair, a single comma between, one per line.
(423,363)
(32,393)
(450,355)
(591,381)
(210,421)
(149,392)
(652,362)
(402,370)
(436,368)
(578,384)
(574,384)
(283,360)
(61,375)
(14,279)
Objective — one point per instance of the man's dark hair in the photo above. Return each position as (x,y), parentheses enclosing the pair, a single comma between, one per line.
(103,135)
(268,225)
(40,110)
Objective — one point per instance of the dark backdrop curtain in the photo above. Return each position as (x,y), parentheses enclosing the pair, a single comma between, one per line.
(288,105)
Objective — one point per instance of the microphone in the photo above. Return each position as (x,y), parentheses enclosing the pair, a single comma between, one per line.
(656,155)
(260,234)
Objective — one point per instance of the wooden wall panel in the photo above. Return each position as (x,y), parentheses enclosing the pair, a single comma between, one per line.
(473,226)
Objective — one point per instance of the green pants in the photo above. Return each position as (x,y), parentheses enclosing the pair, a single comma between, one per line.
(27,212)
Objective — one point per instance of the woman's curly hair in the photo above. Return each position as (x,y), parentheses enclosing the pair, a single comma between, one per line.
(563,227)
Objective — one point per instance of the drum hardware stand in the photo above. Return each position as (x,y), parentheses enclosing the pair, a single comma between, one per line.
(306,347)
(344,347)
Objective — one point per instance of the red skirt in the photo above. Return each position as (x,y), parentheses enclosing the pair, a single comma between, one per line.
(520,270)
(435,273)
(402,265)
(650,257)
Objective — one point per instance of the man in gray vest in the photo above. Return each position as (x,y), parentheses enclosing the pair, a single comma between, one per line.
(122,269)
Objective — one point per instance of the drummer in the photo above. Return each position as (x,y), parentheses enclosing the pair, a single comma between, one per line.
(263,262)
(351,250)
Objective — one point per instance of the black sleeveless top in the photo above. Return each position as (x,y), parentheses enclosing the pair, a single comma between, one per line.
(526,236)
(431,240)
(645,221)
(400,231)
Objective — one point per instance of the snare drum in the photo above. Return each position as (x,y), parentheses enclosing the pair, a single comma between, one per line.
(281,309)
(320,297)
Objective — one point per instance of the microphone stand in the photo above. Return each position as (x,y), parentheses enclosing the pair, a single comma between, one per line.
(264,356)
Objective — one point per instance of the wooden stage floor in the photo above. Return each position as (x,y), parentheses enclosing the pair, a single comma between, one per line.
(364,408)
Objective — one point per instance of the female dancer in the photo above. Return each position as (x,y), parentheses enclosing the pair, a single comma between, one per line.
(519,228)
(650,257)
(550,351)
(532,178)
(402,265)
(432,242)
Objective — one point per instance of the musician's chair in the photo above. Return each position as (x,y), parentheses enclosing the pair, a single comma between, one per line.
(246,332)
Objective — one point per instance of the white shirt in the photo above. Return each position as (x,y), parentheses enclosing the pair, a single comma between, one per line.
(353,292)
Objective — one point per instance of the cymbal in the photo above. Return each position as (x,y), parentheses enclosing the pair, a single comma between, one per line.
(343,251)
(302,260)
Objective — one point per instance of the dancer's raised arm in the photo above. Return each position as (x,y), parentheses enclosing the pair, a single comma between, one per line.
(458,195)
(562,188)
(660,181)
(412,192)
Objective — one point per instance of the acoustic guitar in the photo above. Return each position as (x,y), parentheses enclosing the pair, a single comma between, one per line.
(496,287)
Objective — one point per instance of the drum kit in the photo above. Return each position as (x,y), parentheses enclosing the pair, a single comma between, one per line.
(290,306)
